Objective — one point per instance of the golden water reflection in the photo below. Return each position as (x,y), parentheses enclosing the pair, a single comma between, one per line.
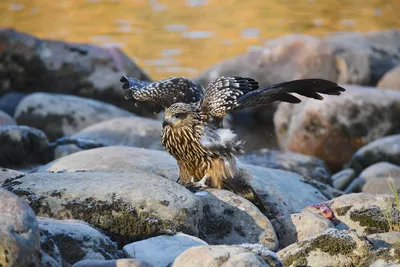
(184,37)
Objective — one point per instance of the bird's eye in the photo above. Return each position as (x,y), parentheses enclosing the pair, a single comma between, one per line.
(179,115)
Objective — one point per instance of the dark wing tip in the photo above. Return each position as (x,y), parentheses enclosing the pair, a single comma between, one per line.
(123,79)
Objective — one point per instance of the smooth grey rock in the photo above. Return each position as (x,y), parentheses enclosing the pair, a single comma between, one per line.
(311,168)
(75,240)
(391,79)
(161,250)
(6,119)
(8,174)
(382,186)
(383,149)
(19,232)
(127,206)
(22,145)
(126,131)
(299,226)
(331,248)
(112,263)
(9,102)
(228,256)
(230,219)
(60,115)
(343,178)
(333,129)
(30,64)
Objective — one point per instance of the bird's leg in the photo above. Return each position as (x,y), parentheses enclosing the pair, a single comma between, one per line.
(202,182)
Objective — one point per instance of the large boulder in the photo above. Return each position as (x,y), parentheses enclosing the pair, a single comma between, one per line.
(19,232)
(69,241)
(9,174)
(331,248)
(127,131)
(311,168)
(391,79)
(162,250)
(284,192)
(335,128)
(30,64)
(230,220)
(383,149)
(9,101)
(6,119)
(59,115)
(350,57)
(21,145)
(228,256)
(127,206)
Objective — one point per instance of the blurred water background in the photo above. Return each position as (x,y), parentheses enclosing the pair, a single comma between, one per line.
(184,37)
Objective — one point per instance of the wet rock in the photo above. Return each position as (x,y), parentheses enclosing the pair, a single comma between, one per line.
(331,248)
(117,158)
(69,241)
(30,64)
(21,145)
(161,250)
(127,131)
(383,149)
(5,119)
(310,168)
(19,232)
(128,206)
(59,115)
(391,79)
(230,219)
(343,178)
(362,212)
(229,256)
(8,174)
(299,226)
(113,263)
(335,128)
(9,102)
(283,191)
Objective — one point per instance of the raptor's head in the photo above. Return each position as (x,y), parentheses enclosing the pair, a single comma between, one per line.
(181,114)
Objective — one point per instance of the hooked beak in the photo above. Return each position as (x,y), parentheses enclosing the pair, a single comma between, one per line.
(166,122)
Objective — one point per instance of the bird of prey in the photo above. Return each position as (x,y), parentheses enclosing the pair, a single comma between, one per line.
(205,153)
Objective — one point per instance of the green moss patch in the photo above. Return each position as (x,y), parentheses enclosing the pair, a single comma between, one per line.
(372,218)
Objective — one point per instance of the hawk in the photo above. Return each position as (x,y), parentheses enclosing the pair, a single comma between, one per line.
(205,152)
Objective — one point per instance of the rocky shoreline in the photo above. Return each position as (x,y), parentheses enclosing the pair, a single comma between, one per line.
(85,181)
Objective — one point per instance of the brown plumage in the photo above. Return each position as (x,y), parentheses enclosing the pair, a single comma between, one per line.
(205,152)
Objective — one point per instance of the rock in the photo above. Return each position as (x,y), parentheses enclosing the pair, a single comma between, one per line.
(161,250)
(127,206)
(59,115)
(335,128)
(9,102)
(30,64)
(230,219)
(75,240)
(127,131)
(19,232)
(391,79)
(328,191)
(8,174)
(114,158)
(386,249)
(283,191)
(331,248)
(5,119)
(310,168)
(343,178)
(228,256)
(383,149)
(23,145)
(362,212)
(299,226)
(375,178)
(112,263)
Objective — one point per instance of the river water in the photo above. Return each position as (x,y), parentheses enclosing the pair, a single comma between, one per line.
(185,37)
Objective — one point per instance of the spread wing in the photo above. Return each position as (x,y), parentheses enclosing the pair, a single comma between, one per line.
(222,94)
(164,92)
(222,99)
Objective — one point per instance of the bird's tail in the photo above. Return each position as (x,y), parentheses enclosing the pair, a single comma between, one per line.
(239,185)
